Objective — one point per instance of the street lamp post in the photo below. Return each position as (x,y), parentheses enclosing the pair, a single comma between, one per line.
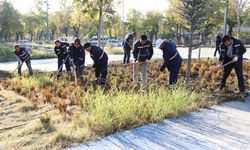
(225,17)
(123,13)
(47,21)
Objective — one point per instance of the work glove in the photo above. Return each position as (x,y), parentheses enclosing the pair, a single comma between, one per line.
(235,59)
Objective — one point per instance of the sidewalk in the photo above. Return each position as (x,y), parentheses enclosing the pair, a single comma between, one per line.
(220,127)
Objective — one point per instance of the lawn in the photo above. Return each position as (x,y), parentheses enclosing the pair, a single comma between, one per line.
(58,114)
(6,53)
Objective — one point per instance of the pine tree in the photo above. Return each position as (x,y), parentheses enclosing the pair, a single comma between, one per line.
(193,12)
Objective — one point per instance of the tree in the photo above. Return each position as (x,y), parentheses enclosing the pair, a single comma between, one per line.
(52,27)
(193,12)
(9,21)
(40,19)
(134,21)
(97,7)
(30,24)
(152,23)
(239,6)
(77,20)
(112,25)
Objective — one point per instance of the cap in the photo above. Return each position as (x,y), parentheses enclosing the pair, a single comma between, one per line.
(225,38)
(86,45)
(77,42)
(57,41)
(144,37)
(159,42)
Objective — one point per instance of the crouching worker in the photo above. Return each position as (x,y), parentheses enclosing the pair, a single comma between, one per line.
(143,52)
(77,54)
(172,59)
(232,50)
(22,55)
(62,57)
(100,59)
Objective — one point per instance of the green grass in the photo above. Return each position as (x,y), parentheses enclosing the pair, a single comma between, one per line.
(6,53)
(118,110)
(101,112)
(41,81)
(114,50)
(41,54)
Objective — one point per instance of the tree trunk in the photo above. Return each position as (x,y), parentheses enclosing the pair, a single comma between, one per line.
(17,37)
(76,31)
(40,35)
(100,25)
(238,25)
(200,41)
(189,56)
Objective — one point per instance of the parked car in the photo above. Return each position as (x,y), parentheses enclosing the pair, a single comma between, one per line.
(114,42)
(94,40)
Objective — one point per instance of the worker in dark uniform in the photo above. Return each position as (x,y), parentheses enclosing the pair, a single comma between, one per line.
(100,59)
(143,52)
(172,59)
(62,57)
(218,44)
(22,55)
(127,46)
(77,54)
(232,50)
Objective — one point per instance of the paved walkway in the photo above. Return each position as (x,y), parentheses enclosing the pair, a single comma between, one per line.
(225,127)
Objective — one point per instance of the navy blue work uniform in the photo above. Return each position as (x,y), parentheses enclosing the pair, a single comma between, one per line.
(78,58)
(172,61)
(23,56)
(218,44)
(127,46)
(100,59)
(62,54)
(144,52)
(238,49)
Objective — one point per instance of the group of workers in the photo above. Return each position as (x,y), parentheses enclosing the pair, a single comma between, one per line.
(229,48)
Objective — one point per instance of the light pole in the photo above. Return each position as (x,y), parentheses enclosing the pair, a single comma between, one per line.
(47,21)
(225,17)
(123,13)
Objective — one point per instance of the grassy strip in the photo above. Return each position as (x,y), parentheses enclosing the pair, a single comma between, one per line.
(114,50)
(6,54)
(90,113)
(101,112)
(118,110)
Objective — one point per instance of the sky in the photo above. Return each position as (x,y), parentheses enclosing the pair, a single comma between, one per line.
(143,5)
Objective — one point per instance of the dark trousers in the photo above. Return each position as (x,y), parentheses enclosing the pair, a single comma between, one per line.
(79,71)
(126,58)
(217,49)
(238,67)
(174,68)
(28,64)
(101,70)
(60,63)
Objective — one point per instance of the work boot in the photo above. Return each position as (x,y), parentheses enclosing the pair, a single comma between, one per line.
(243,93)
(223,90)
(57,77)
(102,82)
